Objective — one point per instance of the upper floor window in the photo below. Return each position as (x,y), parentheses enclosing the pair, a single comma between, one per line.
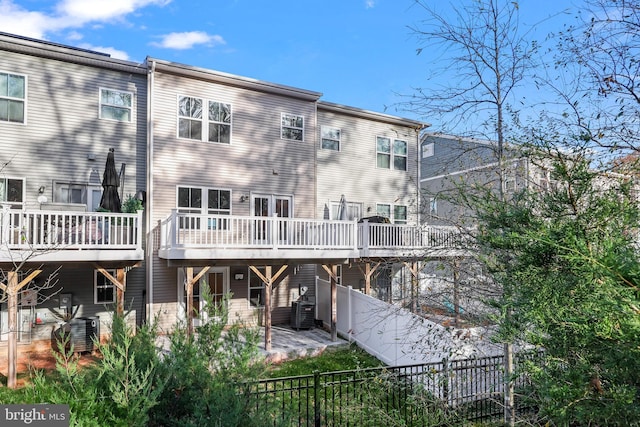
(190,118)
(104,291)
(219,122)
(12,191)
(292,127)
(116,105)
(330,138)
(428,150)
(13,98)
(390,153)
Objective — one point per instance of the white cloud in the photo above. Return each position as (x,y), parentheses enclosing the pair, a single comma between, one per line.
(115,53)
(67,14)
(17,20)
(370,3)
(188,40)
(80,12)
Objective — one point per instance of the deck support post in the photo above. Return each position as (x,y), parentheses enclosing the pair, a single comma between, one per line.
(190,281)
(268,278)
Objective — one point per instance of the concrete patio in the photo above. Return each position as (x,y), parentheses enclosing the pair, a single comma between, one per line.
(287,343)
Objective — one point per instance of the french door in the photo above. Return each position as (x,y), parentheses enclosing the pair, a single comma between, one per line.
(270,205)
(216,281)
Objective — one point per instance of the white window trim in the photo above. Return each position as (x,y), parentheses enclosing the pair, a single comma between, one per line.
(282,126)
(392,211)
(26,96)
(394,155)
(24,189)
(260,305)
(204,120)
(204,209)
(108,284)
(391,153)
(428,150)
(339,140)
(205,131)
(131,109)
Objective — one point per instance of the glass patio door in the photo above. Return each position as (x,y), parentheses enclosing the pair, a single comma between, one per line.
(217,283)
(269,206)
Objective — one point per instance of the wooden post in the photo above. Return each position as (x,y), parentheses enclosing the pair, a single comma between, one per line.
(12,303)
(12,289)
(268,278)
(122,280)
(189,289)
(267,308)
(334,302)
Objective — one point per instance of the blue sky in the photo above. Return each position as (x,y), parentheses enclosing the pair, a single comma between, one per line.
(359,53)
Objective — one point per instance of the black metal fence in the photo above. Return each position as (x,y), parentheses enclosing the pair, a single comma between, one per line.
(434,394)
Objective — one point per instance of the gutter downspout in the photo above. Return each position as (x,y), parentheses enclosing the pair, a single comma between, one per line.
(149,199)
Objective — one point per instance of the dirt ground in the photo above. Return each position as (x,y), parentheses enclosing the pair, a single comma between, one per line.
(37,360)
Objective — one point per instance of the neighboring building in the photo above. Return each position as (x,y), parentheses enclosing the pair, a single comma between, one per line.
(249,187)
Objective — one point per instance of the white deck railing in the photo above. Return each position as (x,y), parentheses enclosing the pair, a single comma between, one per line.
(46,230)
(184,230)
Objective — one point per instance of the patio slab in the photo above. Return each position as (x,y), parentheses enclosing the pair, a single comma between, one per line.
(287,343)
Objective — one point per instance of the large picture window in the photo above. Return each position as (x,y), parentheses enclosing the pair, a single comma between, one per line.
(13,96)
(397,214)
(292,127)
(116,105)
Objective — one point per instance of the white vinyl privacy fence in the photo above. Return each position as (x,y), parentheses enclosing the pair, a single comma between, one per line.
(395,335)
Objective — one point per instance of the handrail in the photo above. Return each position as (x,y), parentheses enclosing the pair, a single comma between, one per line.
(49,230)
(187,230)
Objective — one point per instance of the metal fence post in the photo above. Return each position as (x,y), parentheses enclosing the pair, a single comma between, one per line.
(316,398)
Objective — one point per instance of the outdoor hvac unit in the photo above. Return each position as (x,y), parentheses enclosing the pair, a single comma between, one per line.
(83,331)
(302,315)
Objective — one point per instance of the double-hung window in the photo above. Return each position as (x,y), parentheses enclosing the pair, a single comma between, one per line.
(391,154)
(330,138)
(292,127)
(256,288)
(204,201)
(104,291)
(12,191)
(397,214)
(13,90)
(116,105)
(190,118)
(219,122)
(214,124)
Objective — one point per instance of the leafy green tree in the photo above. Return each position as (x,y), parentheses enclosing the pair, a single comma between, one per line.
(568,263)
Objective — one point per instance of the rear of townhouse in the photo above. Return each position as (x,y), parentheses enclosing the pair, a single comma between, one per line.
(57,125)
(250,189)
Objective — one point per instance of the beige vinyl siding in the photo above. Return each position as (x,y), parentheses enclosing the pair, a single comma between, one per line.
(62,129)
(256,161)
(352,171)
